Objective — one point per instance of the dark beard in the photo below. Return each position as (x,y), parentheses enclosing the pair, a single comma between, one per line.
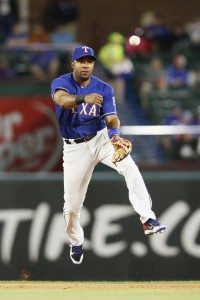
(84,78)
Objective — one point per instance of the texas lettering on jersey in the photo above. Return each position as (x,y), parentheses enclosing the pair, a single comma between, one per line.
(86,118)
(87,110)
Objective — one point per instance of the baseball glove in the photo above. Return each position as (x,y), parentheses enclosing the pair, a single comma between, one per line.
(122,148)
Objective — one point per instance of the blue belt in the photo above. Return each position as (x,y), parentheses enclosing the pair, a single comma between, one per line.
(81,140)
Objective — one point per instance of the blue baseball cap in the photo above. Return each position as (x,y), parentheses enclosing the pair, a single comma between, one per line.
(83,51)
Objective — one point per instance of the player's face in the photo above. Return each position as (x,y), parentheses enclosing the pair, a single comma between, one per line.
(82,68)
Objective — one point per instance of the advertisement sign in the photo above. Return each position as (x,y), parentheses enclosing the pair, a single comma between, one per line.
(29,136)
(33,239)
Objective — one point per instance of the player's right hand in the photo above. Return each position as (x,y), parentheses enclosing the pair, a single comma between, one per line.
(94,98)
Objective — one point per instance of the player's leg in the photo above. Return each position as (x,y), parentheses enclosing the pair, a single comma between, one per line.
(138,193)
(78,167)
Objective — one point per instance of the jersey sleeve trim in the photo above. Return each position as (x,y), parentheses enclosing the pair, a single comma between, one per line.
(58,88)
(108,114)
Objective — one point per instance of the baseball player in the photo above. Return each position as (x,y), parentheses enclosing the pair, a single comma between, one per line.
(87,117)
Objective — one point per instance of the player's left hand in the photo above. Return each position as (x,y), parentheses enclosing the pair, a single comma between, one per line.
(122,148)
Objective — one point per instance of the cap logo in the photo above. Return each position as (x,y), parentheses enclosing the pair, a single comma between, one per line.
(85,48)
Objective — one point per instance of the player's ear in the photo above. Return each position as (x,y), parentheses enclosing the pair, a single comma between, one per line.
(72,64)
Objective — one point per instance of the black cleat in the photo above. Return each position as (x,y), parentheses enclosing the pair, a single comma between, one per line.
(76,254)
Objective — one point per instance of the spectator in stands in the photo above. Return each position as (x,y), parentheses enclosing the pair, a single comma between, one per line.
(147,18)
(16,44)
(180,40)
(6,71)
(44,64)
(153,77)
(38,34)
(159,32)
(179,146)
(177,115)
(119,68)
(113,51)
(17,39)
(177,73)
(8,16)
(61,35)
(194,78)
(193,29)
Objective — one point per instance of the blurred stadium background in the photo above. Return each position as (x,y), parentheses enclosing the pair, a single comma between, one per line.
(36,40)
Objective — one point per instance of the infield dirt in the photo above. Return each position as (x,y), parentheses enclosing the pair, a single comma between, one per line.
(187,285)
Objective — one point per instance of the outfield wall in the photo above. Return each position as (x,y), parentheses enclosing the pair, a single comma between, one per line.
(32,238)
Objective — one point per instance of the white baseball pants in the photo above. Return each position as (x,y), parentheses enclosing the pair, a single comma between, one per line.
(79,161)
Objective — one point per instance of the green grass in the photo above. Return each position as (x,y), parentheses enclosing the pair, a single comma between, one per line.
(100,290)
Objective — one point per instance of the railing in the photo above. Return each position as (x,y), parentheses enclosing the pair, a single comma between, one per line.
(35,46)
(160,130)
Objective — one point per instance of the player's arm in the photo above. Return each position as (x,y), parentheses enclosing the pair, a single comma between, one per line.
(113,124)
(121,146)
(67,101)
